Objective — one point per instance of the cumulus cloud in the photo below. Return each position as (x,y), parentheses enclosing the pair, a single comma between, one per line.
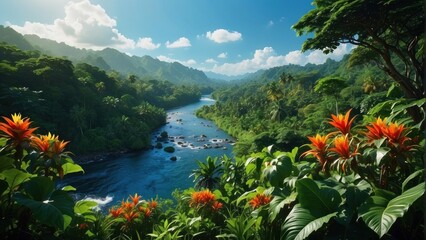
(189,62)
(223,35)
(181,42)
(223,55)
(267,58)
(85,25)
(147,43)
(210,60)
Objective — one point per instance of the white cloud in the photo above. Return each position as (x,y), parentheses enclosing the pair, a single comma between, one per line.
(270,23)
(223,55)
(189,62)
(222,36)
(147,43)
(267,58)
(210,60)
(181,42)
(85,25)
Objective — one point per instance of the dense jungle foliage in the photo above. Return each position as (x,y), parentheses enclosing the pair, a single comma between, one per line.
(360,175)
(97,111)
(283,106)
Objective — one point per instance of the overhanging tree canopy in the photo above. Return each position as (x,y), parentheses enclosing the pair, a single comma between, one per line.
(392,29)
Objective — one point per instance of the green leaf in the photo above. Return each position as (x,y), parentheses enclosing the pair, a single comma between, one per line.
(84,206)
(6,163)
(320,201)
(69,188)
(411,177)
(380,153)
(3,187)
(39,188)
(49,211)
(381,211)
(44,212)
(278,202)
(71,168)
(279,169)
(14,177)
(300,223)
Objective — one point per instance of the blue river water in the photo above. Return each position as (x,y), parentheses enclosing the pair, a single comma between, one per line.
(152,173)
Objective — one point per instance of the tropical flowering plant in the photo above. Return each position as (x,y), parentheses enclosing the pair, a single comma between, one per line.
(204,202)
(30,164)
(381,143)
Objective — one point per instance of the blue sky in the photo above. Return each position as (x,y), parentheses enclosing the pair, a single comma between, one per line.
(230,37)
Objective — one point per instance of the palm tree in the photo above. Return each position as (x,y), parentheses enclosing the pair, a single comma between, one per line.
(274,92)
(277,111)
(207,175)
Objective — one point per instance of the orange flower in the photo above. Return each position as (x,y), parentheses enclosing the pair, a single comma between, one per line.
(147,212)
(375,131)
(216,206)
(115,212)
(152,204)
(395,133)
(131,215)
(135,198)
(126,205)
(202,198)
(17,129)
(48,144)
(318,148)
(342,122)
(83,226)
(341,147)
(260,200)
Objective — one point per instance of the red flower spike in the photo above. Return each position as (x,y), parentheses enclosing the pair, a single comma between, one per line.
(202,198)
(341,147)
(342,122)
(152,204)
(131,215)
(395,133)
(17,129)
(260,200)
(115,212)
(375,131)
(318,148)
(49,144)
(135,198)
(216,206)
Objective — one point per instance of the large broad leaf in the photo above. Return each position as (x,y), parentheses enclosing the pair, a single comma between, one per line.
(320,201)
(279,169)
(300,223)
(50,211)
(381,211)
(71,168)
(14,177)
(39,188)
(6,163)
(278,202)
(85,209)
(316,207)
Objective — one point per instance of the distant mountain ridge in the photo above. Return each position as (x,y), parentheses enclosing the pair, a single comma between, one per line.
(109,59)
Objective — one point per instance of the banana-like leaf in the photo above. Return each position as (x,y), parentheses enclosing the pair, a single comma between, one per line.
(381,210)
(300,223)
(320,201)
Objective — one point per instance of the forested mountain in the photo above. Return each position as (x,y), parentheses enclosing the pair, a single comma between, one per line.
(110,59)
(97,111)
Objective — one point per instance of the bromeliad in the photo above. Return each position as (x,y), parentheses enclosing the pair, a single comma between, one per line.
(342,123)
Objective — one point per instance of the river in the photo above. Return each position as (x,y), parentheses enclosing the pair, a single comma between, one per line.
(152,173)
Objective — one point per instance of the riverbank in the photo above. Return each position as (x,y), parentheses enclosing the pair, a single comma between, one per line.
(152,173)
